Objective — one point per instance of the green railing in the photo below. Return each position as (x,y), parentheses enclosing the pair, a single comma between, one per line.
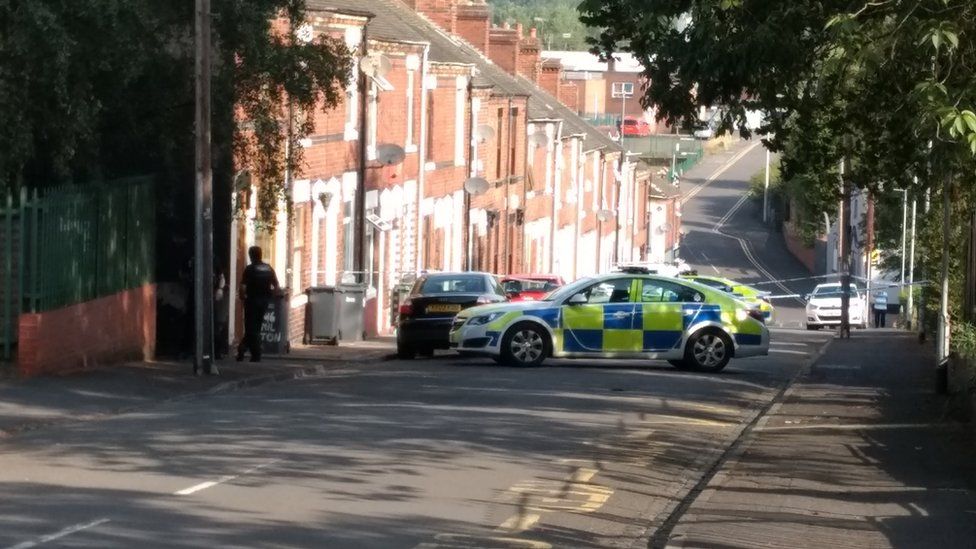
(73,244)
(685,163)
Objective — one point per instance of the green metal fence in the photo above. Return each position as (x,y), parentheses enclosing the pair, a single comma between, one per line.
(73,244)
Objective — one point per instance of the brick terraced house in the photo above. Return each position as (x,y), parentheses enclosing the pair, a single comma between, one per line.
(462,99)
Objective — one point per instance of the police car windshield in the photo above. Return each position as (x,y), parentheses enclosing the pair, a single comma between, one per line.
(568,290)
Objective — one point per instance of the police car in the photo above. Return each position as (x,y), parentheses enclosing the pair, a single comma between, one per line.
(621,315)
(753,296)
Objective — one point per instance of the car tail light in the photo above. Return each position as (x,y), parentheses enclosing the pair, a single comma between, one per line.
(758,315)
(483,300)
(406,308)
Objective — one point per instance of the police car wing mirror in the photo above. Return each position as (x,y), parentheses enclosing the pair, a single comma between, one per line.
(578,299)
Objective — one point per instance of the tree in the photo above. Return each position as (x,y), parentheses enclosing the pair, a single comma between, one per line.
(93,89)
(886,85)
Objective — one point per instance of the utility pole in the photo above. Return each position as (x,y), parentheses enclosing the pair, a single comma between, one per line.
(766,191)
(910,308)
(203,358)
(845,255)
(943,332)
(869,251)
(904,229)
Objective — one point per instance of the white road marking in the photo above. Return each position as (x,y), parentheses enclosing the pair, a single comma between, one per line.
(858,426)
(786,344)
(717,229)
(732,161)
(227,478)
(788,352)
(836,367)
(60,534)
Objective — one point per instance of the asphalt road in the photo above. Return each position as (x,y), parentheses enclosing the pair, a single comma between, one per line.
(725,235)
(436,453)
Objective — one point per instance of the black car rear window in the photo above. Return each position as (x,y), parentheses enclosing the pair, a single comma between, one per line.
(454,284)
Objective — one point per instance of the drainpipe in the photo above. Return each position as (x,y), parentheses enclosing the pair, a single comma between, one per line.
(556,145)
(422,153)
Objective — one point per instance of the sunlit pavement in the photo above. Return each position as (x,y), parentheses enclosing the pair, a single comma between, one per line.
(445,452)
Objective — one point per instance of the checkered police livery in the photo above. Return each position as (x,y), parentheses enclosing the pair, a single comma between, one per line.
(618,316)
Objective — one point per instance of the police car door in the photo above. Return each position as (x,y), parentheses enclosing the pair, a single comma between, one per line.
(605,323)
(660,315)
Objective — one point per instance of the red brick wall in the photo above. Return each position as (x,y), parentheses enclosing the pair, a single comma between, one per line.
(529,64)
(550,79)
(569,95)
(807,256)
(632,106)
(503,48)
(473,24)
(110,329)
(441,12)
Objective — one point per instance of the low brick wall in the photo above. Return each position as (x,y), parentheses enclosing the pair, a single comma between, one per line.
(109,329)
(805,255)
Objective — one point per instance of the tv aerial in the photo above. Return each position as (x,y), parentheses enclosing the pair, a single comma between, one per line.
(476,186)
(389,154)
(484,133)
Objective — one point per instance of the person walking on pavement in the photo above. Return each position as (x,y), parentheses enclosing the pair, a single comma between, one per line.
(259,284)
(880,308)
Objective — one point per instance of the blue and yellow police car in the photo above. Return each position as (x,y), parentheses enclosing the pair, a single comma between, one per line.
(621,315)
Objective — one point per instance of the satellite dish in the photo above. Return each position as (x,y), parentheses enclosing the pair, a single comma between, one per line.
(375,65)
(604,215)
(389,154)
(476,186)
(663,229)
(538,140)
(484,133)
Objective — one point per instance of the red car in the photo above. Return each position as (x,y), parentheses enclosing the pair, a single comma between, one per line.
(636,127)
(531,287)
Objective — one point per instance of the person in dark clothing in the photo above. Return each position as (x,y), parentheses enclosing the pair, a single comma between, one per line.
(259,284)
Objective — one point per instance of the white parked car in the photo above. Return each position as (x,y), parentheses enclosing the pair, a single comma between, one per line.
(824,306)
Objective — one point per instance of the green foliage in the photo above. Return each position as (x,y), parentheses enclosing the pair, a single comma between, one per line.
(757,182)
(552,18)
(885,86)
(964,339)
(96,89)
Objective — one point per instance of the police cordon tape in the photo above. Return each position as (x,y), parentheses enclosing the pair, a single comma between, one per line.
(801,296)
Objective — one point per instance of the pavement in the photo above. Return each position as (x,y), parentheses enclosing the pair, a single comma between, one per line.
(445,452)
(38,402)
(857,454)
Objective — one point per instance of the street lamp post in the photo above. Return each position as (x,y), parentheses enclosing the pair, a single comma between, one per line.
(203,355)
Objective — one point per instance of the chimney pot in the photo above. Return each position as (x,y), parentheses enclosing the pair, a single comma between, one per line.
(505,25)
(518,29)
(532,32)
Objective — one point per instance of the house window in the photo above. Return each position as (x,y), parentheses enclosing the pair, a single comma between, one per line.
(348,237)
(622,89)
(498,144)
(431,130)
(297,245)
(410,76)
(511,152)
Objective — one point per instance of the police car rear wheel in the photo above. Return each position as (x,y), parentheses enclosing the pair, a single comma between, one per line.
(524,345)
(708,351)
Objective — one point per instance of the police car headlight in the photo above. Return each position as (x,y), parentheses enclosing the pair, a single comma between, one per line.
(484,319)
(741,314)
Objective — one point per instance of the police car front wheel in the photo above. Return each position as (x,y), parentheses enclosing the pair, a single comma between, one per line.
(708,351)
(524,344)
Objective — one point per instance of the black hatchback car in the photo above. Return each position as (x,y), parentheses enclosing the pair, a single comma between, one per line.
(426,314)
